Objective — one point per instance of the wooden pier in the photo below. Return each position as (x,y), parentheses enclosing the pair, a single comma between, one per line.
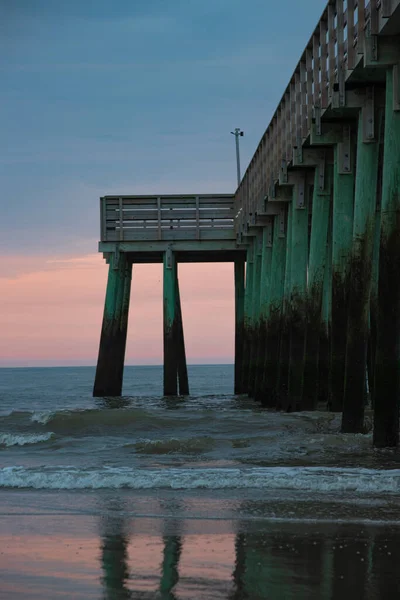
(168,230)
(316,217)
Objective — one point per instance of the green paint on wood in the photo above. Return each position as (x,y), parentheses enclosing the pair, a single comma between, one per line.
(255,314)
(239,274)
(373,308)
(284,347)
(273,314)
(360,284)
(297,303)
(266,260)
(170,354)
(316,270)
(183,379)
(342,243)
(324,360)
(110,364)
(387,369)
(247,317)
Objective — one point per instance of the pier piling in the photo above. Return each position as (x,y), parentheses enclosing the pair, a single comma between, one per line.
(110,363)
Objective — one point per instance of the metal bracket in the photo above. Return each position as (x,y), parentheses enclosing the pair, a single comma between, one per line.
(281,222)
(344,152)
(168,258)
(269,234)
(300,196)
(368,116)
(321,172)
(283,174)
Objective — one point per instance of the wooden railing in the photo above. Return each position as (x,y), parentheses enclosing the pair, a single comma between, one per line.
(141,218)
(335,49)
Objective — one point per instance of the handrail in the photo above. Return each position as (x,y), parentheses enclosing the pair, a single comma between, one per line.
(334,50)
(180,217)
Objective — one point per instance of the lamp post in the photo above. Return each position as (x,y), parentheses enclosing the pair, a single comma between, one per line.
(237,133)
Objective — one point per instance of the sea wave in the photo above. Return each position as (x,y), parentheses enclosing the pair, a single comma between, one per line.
(308,479)
(192,445)
(9,439)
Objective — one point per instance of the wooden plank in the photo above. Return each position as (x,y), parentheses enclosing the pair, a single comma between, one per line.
(316,70)
(164,215)
(331,50)
(323,33)
(360,26)
(350,34)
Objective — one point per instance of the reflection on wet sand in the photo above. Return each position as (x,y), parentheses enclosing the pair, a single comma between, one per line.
(284,563)
(172,554)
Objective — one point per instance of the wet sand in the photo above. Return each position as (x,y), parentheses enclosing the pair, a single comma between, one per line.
(129,545)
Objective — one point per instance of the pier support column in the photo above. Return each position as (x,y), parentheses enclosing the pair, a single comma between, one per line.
(248,293)
(284,346)
(263,312)
(387,369)
(183,380)
(324,359)
(273,321)
(170,325)
(342,239)
(110,363)
(298,294)
(239,323)
(255,312)
(361,277)
(316,269)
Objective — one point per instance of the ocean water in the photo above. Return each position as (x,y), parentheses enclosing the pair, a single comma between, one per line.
(209,496)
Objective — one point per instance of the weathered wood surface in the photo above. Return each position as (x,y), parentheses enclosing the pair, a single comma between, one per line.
(150,218)
(341,51)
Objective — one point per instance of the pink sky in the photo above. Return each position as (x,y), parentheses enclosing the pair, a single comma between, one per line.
(51,311)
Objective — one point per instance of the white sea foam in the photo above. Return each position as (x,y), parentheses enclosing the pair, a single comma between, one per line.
(41,417)
(309,479)
(11,439)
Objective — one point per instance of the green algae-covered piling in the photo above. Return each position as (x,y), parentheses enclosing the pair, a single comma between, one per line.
(324,354)
(274,311)
(316,270)
(297,295)
(360,281)
(183,380)
(255,313)
(387,367)
(170,325)
(247,330)
(239,273)
(284,346)
(265,288)
(342,236)
(110,364)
